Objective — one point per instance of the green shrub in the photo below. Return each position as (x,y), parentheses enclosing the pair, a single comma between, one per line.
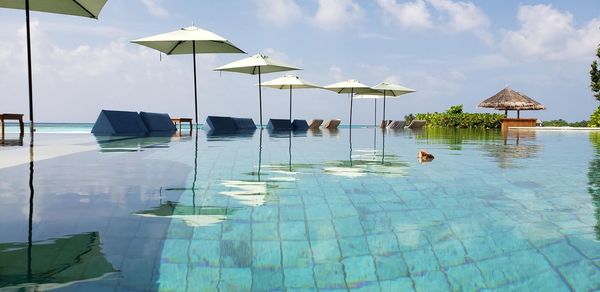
(563,123)
(456,118)
(595,119)
(555,123)
(455,109)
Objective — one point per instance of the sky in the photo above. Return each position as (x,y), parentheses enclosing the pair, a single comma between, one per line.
(451,52)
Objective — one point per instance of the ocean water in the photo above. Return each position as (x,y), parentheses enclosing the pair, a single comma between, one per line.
(319,210)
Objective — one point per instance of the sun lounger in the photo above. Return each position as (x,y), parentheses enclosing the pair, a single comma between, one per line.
(280,125)
(396,125)
(158,122)
(332,124)
(300,125)
(416,124)
(222,124)
(244,124)
(119,123)
(314,124)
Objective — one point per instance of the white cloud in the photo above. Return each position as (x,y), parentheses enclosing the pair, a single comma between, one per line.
(336,73)
(450,16)
(337,14)
(409,15)
(550,34)
(155,9)
(278,12)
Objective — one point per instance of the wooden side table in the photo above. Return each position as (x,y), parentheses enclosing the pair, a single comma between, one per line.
(182,120)
(15,117)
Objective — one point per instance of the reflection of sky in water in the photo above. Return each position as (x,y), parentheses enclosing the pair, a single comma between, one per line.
(488,212)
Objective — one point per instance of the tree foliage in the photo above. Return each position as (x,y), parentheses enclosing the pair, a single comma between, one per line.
(595,76)
(454,117)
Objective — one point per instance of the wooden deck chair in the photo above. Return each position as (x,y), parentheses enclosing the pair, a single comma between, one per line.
(314,124)
(416,124)
(396,125)
(332,124)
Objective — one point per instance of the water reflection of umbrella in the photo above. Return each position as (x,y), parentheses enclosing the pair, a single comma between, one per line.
(366,164)
(289,82)
(189,40)
(388,90)
(257,65)
(88,8)
(351,87)
(192,215)
(73,258)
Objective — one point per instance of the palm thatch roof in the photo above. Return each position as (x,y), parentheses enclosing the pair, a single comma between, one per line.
(508,99)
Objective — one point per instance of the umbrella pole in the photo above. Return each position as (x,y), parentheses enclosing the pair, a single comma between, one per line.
(383,147)
(195,174)
(351,96)
(375,127)
(30,230)
(291,103)
(29,73)
(195,85)
(384,121)
(260,152)
(260,98)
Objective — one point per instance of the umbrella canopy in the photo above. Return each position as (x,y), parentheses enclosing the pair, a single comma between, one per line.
(189,40)
(508,99)
(388,90)
(289,82)
(85,8)
(257,65)
(352,87)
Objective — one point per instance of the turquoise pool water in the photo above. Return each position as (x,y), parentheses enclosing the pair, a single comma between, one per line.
(302,211)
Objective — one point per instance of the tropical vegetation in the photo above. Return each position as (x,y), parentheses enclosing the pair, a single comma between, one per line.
(454,117)
(595,86)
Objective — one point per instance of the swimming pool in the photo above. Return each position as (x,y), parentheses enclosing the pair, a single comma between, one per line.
(303,211)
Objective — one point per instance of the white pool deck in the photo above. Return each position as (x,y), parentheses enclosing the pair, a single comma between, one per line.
(556,129)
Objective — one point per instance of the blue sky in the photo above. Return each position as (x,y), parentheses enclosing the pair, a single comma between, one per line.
(451,52)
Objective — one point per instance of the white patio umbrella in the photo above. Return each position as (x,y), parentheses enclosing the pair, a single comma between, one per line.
(257,65)
(289,82)
(352,87)
(385,89)
(84,8)
(189,40)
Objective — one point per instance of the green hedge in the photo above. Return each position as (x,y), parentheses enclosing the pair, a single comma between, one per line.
(461,120)
(563,123)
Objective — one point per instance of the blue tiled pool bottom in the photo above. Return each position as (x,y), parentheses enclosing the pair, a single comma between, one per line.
(312,211)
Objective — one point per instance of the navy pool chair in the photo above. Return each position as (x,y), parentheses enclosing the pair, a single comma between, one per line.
(229,124)
(126,123)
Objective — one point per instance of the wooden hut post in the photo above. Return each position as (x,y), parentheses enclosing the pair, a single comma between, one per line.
(518,114)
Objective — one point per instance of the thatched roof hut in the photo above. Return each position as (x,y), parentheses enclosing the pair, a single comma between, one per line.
(508,99)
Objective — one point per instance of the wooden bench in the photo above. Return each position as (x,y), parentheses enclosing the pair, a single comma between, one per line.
(15,117)
(182,120)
